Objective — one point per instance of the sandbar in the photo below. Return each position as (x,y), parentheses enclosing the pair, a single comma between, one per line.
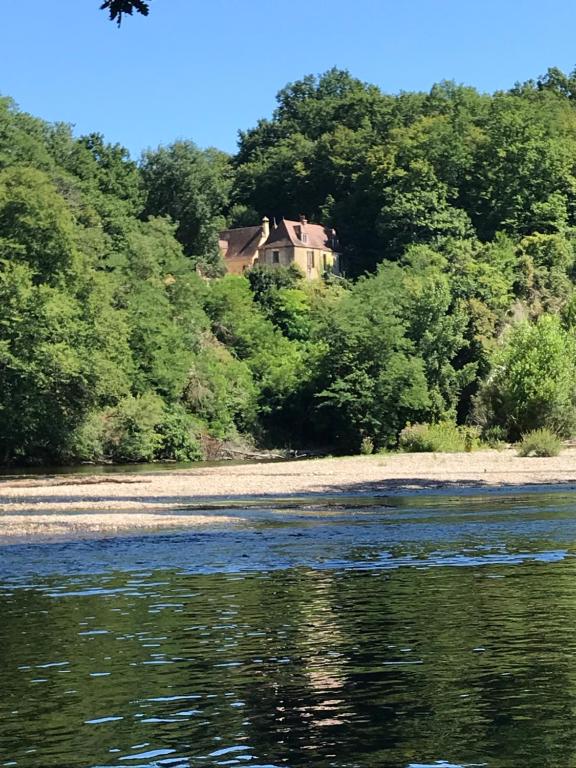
(71,506)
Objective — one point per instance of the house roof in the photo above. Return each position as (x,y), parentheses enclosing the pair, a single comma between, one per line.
(301,233)
(243,242)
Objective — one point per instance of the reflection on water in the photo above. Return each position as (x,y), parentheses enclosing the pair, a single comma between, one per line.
(407,638)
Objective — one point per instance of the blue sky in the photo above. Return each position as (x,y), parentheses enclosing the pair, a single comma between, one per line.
(202,69)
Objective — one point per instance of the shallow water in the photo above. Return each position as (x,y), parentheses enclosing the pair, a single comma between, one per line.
(159,467)
(437,632)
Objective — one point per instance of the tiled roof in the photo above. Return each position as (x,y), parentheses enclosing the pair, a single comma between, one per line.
(303,234)
(240,246)
(243,242)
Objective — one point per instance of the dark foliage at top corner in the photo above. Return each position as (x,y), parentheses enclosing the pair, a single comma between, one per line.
(117,8)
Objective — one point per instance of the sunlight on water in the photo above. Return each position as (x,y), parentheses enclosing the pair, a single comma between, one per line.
(424,636)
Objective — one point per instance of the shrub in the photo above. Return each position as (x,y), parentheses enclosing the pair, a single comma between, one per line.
(130,428)
(367,446)
(86,441)
(414,438)
(540,442)
(178,432)
(136,429)
(494,437)
(444,437)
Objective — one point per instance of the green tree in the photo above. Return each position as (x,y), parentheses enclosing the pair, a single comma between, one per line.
(373,379)
(192,186)
(221,392)
(278,365)
(115,173)
(417,210)
(545,264)
(61,355)
(437,324)
(524,168)
(35,224)
(533,380)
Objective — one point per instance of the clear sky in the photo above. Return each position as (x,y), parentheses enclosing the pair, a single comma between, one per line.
(202,69)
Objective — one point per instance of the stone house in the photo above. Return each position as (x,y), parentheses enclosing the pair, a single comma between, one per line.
(312,247)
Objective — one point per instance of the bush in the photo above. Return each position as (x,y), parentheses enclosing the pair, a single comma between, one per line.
(136,429)
(86,441)
(494,437)
(130,428)
(540,442)
(179,440)
(367,446)
(444,437)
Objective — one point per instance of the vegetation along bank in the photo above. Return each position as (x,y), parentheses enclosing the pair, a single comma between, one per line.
(122,337)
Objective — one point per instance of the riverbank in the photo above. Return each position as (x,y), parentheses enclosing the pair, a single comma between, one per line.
(65,506)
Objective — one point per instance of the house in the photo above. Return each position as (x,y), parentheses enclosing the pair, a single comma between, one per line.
(239,247)
(312,247)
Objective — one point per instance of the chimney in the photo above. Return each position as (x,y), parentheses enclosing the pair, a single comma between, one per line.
(265,228)
(301,229)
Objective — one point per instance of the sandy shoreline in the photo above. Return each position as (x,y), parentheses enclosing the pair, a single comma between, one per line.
(67,506)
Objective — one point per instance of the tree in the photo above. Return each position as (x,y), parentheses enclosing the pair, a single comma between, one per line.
(63,351)
(35,224)
(533,380)
(115,174)
(279,292)
(192,186)
(372,379)
(437,325)
(278,366)
(117,8)
(417,210)
(523,171)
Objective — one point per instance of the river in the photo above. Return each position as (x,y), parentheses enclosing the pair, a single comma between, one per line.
(431,632)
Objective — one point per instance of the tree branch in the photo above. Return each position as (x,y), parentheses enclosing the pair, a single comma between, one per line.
(117,8)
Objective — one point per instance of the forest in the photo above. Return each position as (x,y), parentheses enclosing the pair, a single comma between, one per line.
(123,339)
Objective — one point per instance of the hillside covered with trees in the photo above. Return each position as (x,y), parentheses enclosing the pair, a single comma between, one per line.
(121,338)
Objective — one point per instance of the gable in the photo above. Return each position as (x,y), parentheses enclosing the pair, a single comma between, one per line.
(301,234)
(241,243)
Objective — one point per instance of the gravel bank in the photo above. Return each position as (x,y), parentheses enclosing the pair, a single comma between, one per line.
(74,505)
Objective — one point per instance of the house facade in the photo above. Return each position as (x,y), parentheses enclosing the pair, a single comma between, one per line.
(312,247)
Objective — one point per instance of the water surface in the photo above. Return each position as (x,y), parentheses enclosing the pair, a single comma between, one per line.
(437,632)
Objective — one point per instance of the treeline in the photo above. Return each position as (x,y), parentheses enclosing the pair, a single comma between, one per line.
(121,337)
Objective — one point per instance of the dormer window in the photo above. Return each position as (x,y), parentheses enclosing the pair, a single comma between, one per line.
(304,237)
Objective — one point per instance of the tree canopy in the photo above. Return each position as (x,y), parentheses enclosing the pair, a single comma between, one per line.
(122,338)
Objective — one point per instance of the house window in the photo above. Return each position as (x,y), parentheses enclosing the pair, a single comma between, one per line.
(324,261)
(275,257)
(310,259)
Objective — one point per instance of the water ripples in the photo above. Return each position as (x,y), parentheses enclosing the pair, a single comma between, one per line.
(409,638)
